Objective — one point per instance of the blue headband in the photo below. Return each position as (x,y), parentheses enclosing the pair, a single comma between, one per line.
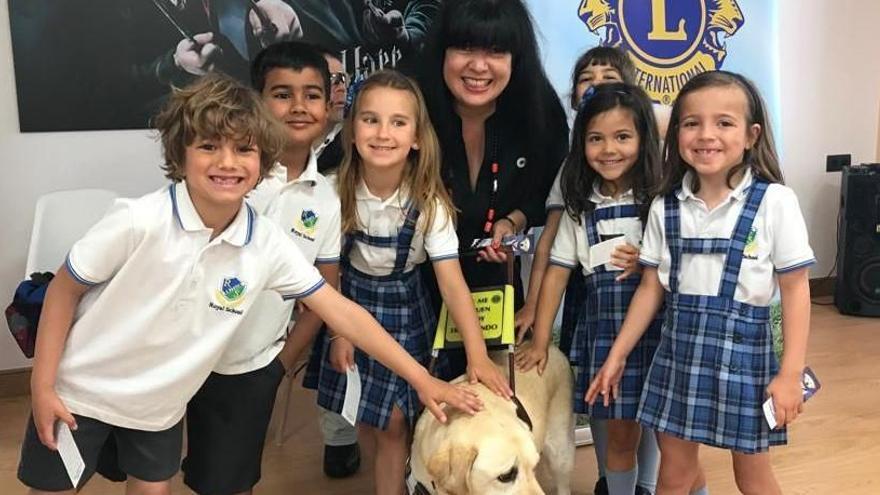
(352,93)
(591,93)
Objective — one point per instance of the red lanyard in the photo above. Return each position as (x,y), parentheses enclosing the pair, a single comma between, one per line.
(493,196)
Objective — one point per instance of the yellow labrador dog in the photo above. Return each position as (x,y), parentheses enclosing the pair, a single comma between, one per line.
(495,452)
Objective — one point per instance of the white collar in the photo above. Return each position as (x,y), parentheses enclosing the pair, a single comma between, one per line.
(399,199)
(597,197)
(238,233)
(278,172)
(738,193)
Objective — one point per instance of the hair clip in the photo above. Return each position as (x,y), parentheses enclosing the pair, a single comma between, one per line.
(352,93)
(592,91)
(587,96)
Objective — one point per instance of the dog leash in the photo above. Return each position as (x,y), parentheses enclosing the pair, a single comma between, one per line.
(521,412)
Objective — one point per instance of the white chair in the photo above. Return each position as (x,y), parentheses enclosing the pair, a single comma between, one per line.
(60,219)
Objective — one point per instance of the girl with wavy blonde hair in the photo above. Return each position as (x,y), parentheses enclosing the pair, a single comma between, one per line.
(395,215)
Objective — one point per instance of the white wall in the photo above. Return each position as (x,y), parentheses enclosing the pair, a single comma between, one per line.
(36,163)
(830,95)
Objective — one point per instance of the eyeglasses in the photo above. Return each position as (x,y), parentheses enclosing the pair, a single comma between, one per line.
(338,78)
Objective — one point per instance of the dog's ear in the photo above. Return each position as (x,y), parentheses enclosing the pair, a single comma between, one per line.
(450,467)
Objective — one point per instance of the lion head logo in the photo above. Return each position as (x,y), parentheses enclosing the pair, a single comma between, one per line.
(668,41)
(601,18)
(725,19)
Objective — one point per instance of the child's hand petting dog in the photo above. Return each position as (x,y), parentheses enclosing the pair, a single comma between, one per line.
(483,370)
(435,392)
(530,355)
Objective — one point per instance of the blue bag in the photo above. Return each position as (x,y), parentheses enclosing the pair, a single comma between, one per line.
(23,315)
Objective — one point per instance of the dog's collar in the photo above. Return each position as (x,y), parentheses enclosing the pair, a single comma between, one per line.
(420,489)
(521,412)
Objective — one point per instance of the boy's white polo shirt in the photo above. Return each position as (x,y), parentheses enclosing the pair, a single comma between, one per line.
(167,299)
(571,247)
(384,218)
(778,241)
(307,209)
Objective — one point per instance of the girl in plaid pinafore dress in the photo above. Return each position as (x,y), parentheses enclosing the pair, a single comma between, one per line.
(606,181)
(596,66)
(392,201)
(719,243)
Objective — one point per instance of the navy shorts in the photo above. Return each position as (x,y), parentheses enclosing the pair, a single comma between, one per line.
(226,425)
(145,455)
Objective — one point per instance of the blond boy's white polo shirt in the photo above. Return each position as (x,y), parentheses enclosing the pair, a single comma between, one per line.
(571,247)
(384,218)
(166,301)
(307,209)
(778,241)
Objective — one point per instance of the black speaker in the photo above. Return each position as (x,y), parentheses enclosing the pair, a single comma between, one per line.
(857,290)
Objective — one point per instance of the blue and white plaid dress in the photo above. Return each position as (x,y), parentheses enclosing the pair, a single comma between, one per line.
(571,311)
(600,314)
(715,358)
(399,302)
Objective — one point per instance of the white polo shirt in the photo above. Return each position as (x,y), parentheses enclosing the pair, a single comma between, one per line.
(385,218)
(571,247)
(307,209)
(167,299)
(778,241)
(555,201)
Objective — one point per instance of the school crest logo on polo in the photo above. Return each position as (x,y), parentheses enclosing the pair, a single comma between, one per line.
(750,251)
(669,41)
(306,225)
(229,296)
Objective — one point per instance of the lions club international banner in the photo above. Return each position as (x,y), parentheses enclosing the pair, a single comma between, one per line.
(669,41)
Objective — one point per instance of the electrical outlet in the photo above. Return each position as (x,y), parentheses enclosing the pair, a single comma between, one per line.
(835,163)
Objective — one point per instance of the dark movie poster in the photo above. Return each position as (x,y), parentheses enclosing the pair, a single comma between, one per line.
(108,64)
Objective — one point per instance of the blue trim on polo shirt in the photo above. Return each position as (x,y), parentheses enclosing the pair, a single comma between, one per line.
(76,276)
(326,261)
(306,293)
(251,219)
(644,262)
(563,264)
(172,189)
(554,207)
(804,264)
(450,256)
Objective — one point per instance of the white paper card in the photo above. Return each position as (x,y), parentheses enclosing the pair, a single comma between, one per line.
(70,456)
(352,395)
(770,413)
(600,254)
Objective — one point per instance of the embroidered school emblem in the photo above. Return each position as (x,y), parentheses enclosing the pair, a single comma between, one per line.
(306,225)
(750,251)
(668,41)
(229,296)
